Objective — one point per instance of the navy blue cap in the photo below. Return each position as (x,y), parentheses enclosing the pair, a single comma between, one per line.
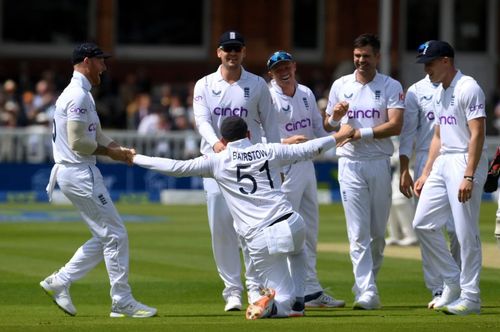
(434,49)
(87,50)
(231,38)
(277,57)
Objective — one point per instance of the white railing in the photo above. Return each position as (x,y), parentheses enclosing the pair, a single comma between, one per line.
(34,145)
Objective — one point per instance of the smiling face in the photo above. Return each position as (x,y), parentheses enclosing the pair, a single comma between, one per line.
(284,73)
(231,56)
(96,67)
(366,60)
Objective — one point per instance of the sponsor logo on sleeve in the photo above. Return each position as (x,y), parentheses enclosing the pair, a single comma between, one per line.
(78,110)
(92,127)
(476,108)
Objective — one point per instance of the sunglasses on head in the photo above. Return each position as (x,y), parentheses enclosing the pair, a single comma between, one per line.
(229,48)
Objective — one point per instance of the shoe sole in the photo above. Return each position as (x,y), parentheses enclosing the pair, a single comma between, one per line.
(358,306)
(233,309)
(324,306)
(51,295)
(256,310)
(118,315)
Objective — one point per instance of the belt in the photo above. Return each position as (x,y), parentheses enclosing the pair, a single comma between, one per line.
(280,219)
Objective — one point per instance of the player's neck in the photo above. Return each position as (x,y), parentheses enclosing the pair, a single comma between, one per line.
(364,77)
(231,74)
(450,75)
(289,89)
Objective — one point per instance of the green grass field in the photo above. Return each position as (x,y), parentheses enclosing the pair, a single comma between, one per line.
(172,268)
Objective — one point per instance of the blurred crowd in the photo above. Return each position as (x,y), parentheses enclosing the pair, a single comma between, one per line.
(134,104)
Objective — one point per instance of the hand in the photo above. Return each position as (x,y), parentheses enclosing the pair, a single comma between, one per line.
(121,154)
(339,110)
(419,184)
(344,135)
(295,139)
(465,190)
(218,147)
(406,184)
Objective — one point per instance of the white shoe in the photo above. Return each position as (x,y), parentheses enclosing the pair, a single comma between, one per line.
(134,309)
(59,294)
(325,301)
(233,303)
(391,241)
(263,307)
(367,301)
(450,293)
(462,307)
(408,241)
(435,298)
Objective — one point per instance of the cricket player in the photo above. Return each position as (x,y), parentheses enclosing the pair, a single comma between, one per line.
(249,178)
(300,120)
(76,140)
(231,91)
(371,103)
(452,180)
(418,129)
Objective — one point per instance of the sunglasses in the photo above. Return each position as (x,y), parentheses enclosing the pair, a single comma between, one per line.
(278,57)
(230,48)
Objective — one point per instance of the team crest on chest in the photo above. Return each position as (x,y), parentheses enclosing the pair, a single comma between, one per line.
(287,109)
(426,98)
(306,104)
(348,96)
(246,92)
(377,94)
(452,102)
(216,93)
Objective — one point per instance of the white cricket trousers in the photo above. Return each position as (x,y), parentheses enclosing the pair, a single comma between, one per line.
(365,187)
(438,202)
(226,244)
(282,271)
(433,280)
(300,188)
(83,185)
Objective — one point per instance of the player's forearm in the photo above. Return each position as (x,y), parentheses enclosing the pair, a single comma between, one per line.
(392,127)
(78,141)
(404,164)
(475,150)
(433,154)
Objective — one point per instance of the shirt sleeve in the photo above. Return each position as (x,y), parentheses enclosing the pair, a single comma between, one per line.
(332,97)
(395,95)
(202,113)
(79,107)
(201,166)
(473,100)
(289,153)
(410,123)
(317,119)
(268,114)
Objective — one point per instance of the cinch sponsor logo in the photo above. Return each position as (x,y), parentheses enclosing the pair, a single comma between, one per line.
(92,127)
(78,110)
(475,108)
(304,123)
(447,120)
(228,111)
(430,116)
(363,114)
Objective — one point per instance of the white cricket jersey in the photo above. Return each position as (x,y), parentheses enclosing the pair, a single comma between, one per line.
(299,114)
(215,99)
(462,101)
(74,104)
(368,105)
(248,175)
(418,124)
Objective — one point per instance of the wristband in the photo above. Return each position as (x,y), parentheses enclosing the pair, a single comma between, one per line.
(366,133)
(333,122)
(469,178)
